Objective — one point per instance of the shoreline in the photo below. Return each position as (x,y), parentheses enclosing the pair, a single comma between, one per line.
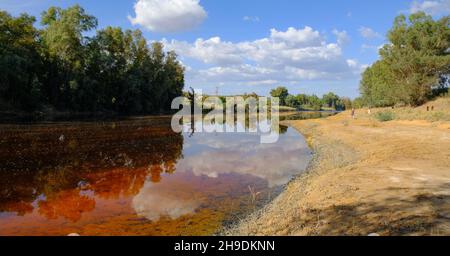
(388,178)
(30,118)
(238,228)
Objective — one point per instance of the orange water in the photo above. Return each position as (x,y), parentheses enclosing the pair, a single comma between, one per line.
(136,177)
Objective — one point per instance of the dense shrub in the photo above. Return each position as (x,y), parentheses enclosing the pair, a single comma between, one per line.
(385,116)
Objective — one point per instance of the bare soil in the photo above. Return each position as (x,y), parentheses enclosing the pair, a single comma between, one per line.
(390,178)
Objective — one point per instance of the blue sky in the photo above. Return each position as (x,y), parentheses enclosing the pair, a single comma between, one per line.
(255,45)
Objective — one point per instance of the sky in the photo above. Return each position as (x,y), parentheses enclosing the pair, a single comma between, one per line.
(244,46)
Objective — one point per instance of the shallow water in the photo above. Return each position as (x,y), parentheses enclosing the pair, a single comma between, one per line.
(137,177)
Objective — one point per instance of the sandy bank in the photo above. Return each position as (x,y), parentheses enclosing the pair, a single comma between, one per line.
(389,178)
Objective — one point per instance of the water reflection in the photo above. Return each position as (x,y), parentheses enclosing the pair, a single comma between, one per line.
(154,201)
(111,160)
(242,153)
(135,177)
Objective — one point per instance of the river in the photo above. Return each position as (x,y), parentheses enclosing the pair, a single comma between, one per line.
(137,177)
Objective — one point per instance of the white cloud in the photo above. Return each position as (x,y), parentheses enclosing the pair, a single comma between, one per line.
(368,33)
(283,57)
(431,7)
(251,18)
(168,15)
(352,63)
(210,51)
(342,37)
(300,37)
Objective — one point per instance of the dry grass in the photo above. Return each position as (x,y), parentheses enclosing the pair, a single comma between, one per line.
(390,178)
(440,112)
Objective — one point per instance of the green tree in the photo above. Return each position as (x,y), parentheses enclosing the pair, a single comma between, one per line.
(302,99)
(282,93)
(59,67)
(174,82)
(378,86)
(314,102)
(63,40)
(116,63)
(291,101)
(411,63)
(20,62)
(345,103)
(357,103)
(330,100)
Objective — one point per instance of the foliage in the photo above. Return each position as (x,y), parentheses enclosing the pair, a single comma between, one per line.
(347,103)
(313,102)
(282,93)
(385,116)
(412,63)
(20,62)
(330,100)
(357,103)
(59,67)
(291,101)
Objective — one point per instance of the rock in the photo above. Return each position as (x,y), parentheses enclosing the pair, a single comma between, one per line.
(73,234)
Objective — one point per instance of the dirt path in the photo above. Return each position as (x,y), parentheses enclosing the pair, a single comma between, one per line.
(367,177)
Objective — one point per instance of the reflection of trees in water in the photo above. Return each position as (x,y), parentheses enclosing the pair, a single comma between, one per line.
(57,162)
(247,121)
(69,204)
(283,129)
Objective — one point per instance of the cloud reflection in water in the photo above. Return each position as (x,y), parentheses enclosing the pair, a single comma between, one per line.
(242,153)
(155,201)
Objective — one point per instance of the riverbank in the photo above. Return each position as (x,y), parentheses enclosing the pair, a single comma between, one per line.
(22,117)
(367,176)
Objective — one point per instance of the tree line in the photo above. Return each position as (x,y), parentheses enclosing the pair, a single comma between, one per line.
(329,101)
(58,67)
(414,65)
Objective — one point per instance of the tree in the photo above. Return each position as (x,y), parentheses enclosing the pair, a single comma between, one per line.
(63,40)
(314,102)
(378,88)
(132,77)
(291,101)
(345,104)
(411,63)
(174,73)
(20,62)
(330,100)
(357,103)
(302,99)
(282,93)
(59,67)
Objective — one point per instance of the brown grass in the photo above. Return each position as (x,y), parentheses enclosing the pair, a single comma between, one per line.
(440,112)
